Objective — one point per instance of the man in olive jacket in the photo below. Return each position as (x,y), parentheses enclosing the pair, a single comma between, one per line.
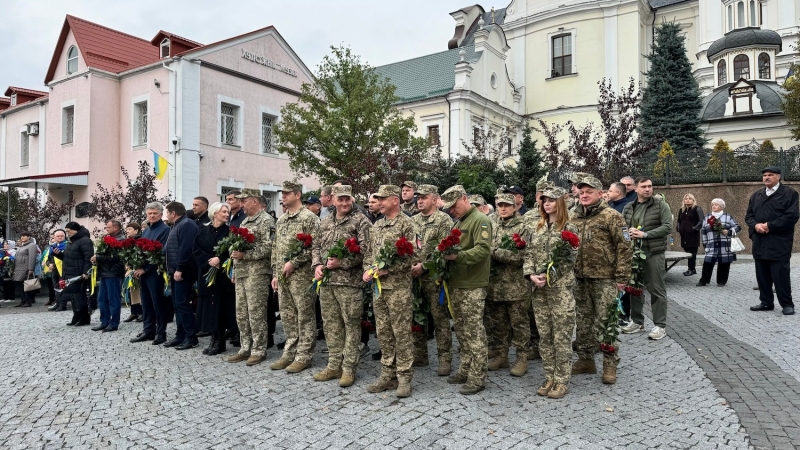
(469,279)
(650,221)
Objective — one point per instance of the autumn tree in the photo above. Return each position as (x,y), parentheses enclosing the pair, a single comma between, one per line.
(666,163)
(40,217)
(494,144)
(790,100)
(346,126)
(767,155)
(721,157)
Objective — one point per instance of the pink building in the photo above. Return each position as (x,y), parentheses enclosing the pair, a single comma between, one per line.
(113,99)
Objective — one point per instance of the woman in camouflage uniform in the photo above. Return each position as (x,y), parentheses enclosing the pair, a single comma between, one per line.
(553,303)
(508,302)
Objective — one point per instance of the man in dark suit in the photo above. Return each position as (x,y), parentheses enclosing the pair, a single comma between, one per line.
(182,272)
(771,217)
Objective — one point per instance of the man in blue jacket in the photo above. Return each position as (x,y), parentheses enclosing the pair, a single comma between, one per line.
(152,283)
(182,272)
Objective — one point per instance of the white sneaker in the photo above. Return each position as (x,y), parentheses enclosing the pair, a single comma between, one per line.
(633,327)
(657,333)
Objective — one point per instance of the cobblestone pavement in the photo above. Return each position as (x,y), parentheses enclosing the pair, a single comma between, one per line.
(70,387)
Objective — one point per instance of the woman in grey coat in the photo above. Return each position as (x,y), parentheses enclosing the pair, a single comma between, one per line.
(23,267)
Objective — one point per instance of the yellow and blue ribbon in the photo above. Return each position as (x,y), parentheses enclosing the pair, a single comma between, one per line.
(444,294)
(377,289)
(93,278)
(227,266)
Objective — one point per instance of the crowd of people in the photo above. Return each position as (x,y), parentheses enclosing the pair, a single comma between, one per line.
(413,264)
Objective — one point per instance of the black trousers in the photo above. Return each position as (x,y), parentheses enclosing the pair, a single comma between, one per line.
(152,292)
(722,272)
(769,272)
(272,309)
(692,261)
(626,305)
(26,298)
(51,290)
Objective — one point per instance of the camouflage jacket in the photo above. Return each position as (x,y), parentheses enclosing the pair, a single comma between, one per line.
(256,261)
(533,216)
(388,231)
(604,251)
(507,282)
(430,230)
(537,254)
(331,230)
(286,230)
(410,208)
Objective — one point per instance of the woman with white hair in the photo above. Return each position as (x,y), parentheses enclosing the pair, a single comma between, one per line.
(718,229)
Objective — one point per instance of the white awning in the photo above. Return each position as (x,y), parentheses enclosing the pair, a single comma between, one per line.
(48,181)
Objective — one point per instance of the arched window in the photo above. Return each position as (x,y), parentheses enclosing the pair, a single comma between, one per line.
(741,67)
(740,17)
(753,13)
(763,67)
(72,60)
(730,17)
(722,73)
(165,48)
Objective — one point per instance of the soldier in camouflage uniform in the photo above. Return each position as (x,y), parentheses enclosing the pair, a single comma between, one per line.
(508,302)
(341,297)
(469,279)
(531,218)
(602,270)
(432,226)
(292,279)
(408,202)
(573,204)
(393,307)
(553,303)
(252,290)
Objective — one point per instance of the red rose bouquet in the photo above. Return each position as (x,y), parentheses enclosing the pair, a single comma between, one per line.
(297,247)
(389,255)
(343,249)
(715,224)
(107,247)
(609,335)
(152,253)
(436,265)
(515,243)
(636,284)
(563,251)
(239,239)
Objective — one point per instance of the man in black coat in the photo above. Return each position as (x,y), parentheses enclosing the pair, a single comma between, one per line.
(110,271)
(151,282)
(771,217)
(182,272)
(77,260)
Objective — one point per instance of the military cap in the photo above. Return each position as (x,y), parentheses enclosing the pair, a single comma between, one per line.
(452,194)
(554,192)
(773,169)
(514,190)
(590,181)
(505,198)
(410,184)
(291,186)
(542,184)
(576,176)
(342,191)
(249,192)
(312,199)
(476,200)
(426,189)
(388,190)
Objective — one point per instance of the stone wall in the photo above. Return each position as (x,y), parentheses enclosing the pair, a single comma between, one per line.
(735,195)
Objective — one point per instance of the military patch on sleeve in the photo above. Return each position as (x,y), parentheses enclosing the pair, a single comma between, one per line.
(485,230)
(626,234)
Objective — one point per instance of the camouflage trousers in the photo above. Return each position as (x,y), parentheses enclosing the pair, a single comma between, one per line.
(252,294)
(341,319)
(507,324)
(554,308)
(592,297)
(296,301)
(468,306)
(441,326)
(393,310)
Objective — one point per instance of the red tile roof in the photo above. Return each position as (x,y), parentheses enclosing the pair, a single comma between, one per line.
(19,90)
(5,100)
(162,34)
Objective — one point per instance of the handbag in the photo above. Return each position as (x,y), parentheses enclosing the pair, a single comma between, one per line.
(31,284)
(736,244)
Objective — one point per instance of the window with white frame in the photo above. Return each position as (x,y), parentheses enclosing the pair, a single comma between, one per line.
(228,123)
(72,60)
(24,149)
(267,140)
(67,124)
(13,99)
(562,55)
(730,17)
(165,48)
(740,20)
(140,123)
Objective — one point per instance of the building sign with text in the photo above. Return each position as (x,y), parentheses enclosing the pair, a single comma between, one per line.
(258,59)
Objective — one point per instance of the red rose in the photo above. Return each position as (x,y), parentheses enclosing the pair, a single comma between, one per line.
(455,232)
(62,284)
(610,348)
(416,328)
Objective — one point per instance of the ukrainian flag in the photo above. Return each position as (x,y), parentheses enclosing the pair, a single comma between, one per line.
(160,164)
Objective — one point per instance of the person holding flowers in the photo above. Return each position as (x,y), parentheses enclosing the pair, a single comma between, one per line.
(432,226)
(469,277)
(295,232)
(110,271)
(602,269)
(133,231)
(549,263)
(718,228)
(387,265)
(151,282)
(337,256)
(76,261)
(508,305)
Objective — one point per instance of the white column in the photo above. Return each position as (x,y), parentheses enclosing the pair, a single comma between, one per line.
(187,160)
(3,124)
(611,47)
(455,129)
(42,138)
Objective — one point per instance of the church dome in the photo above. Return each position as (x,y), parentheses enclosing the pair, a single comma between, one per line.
(745,37)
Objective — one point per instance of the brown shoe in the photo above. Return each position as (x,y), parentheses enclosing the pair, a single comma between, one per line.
(499,361)
(348,378)
(470,389)
(327,374)
(545,388)
(297,366)
(558,391)
(534,354)
(255,359)
(609,374)
(520,366)
(584,366)
(420,362)
(403,389)
(280,364)
(456,379)
(239,357)
(444,368)
(382,384)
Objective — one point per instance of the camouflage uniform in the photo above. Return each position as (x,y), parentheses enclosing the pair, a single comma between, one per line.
(509,297)
(295,299)
(409,208)
(341,298)
(430,230)
(554,305)
(252,286)
(393,309)
(604,259)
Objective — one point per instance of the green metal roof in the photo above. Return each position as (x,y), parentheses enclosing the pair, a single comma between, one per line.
(426,76)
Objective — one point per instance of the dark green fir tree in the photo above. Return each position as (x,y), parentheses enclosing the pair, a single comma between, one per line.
(671,101)
(530,167)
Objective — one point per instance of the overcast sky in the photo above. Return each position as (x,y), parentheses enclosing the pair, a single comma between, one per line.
(380,31)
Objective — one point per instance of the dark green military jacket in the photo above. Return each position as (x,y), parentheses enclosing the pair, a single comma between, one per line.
(471,268)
